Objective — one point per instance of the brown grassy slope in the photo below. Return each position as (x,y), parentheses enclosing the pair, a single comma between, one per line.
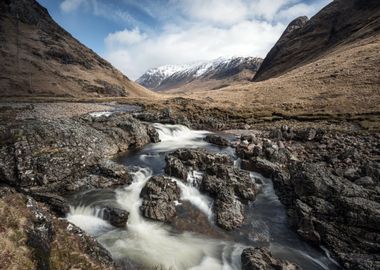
(50,61)
(347,80)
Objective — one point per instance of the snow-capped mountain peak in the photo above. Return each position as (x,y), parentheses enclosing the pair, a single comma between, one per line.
(168,76)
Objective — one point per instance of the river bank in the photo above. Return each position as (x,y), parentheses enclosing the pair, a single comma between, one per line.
(49,158)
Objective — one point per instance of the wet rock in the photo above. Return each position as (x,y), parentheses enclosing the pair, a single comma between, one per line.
(228,210)
(217,140)
(260,165)
(159,196)
(55,202)
(43,156)
(153,134)
(117,217)
(174,167)
(262,259)
(230,187)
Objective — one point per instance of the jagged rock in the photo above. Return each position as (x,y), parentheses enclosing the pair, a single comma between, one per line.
(117,217)
(229,210)
(260,165)
(56,203)
(230,187)
(68,154)
(217,140)
(159,195)
(262,259)
(174,167)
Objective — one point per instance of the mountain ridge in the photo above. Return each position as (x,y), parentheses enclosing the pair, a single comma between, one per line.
(42,59)
(175,76)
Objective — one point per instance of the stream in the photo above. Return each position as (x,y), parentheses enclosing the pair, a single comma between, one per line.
(193,241)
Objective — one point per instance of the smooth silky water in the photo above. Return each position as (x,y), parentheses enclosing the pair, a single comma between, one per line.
(147,244)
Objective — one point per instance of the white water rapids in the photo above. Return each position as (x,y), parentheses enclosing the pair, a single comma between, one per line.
(154,244)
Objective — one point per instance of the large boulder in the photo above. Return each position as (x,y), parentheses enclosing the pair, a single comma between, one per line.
(117,217)
(217,140)
(159,196)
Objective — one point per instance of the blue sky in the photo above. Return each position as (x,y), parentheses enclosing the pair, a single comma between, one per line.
(135,35)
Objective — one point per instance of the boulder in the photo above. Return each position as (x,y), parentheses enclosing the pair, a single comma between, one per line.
(117,217)
(174,167)
(217,140)
(262,259)
(159,196)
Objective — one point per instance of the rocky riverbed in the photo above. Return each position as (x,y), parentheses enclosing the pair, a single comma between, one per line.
(327,179)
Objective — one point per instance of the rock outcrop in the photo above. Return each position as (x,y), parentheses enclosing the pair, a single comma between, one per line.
(68,154)
(340,22)
(33,238)
(230,187)
(329,182)
(262,259)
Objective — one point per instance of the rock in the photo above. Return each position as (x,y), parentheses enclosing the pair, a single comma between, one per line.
(262,166)
(68,154)
(116,217)
(56,203)
(262,259)
(159,195)
(229,210)
(351,174)
(153,134)
(217,140)
(365,181)
(174,167)
(230,187)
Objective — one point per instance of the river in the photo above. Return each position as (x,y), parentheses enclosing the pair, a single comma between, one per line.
(193,242)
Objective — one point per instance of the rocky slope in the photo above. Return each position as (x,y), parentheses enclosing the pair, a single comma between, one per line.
(340,23)
(39,58)
(210,75)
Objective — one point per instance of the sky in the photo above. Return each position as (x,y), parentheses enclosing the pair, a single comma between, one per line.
(136,35)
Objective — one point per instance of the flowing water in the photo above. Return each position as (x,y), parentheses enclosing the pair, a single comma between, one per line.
(147,244)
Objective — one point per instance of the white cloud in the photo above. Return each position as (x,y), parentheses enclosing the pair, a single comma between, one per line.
(124,38)
(71,5)
(217,11)
(178,46)
(204,30)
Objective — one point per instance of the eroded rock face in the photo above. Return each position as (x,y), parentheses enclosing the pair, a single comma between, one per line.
(329,183)
(230,187)
(68,154)
(262,259)
(159,196)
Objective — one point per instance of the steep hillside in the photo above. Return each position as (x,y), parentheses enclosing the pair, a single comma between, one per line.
(340,23)
(208,75)
(40,58)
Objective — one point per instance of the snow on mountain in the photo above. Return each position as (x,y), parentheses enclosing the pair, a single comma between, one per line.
(171,76)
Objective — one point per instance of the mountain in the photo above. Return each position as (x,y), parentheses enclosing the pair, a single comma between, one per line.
(40,58)
(340,23)
(210,75)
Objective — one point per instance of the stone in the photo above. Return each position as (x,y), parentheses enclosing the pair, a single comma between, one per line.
(117,217)
(159,196)
(217,140)
(175,168)
(262,259)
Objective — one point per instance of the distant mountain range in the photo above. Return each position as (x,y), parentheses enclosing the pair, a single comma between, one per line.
(210,74)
